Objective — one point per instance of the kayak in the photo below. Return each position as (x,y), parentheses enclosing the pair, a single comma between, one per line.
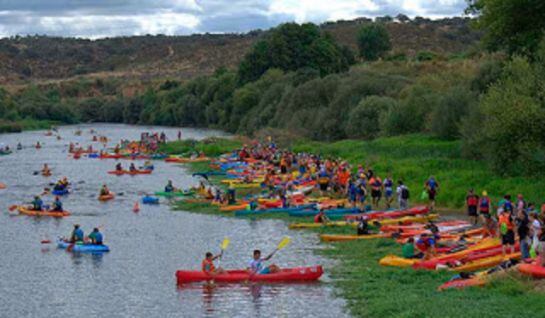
(403,220)
(396,261)
(234,207)
(186,160)
(175,193)
(463,283)
(29,212)
(150,200)
(418,210)
(286,275)
(132,173)
(110,156)
(106,197)
(329,213)
(534,270)
(2,186)
(344,238)
(486,262)
(46,173)
(273,210)
(60,192)
(83,248)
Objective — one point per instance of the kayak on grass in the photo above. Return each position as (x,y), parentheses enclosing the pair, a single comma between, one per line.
(274,210)
(286,275)
(344,238)
(402,220)
(26,211)
(534,270)
(418,210)
(329,213)
(82,247)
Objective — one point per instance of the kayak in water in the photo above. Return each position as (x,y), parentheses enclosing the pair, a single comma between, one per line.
(286,275)
(150,200)
(175,193)
(82,247)
(106,197)
(29,212)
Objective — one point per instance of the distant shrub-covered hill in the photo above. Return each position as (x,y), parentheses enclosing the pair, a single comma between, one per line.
(38,58)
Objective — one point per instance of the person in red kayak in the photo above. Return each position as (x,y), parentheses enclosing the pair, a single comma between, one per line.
(208,264)
(256,264)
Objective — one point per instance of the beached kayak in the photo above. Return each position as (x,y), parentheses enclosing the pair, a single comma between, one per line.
(534,270)
(343,238)
(106,197)
(403,220)
(83,248)
(175,193)
(29,212)
(296,274)
(150,200)
(486,262)
(397,261)
(234,207)
(273,210)
(186,160)
(389,214)
(463,283)
(329,213)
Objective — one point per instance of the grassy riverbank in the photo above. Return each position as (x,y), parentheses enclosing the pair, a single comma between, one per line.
(375,291)
(7,126)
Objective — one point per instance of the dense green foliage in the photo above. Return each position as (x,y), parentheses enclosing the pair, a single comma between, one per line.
(514,25)
(373,41)
(291,47)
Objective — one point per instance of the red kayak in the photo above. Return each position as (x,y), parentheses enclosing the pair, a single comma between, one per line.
(110,156)
(533,270)
(286,275)
(418,210)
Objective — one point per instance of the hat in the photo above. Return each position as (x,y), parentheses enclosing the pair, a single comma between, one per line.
(485,193)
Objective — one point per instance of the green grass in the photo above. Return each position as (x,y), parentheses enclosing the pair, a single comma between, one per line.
(7,126)
(413,158)
(211,146)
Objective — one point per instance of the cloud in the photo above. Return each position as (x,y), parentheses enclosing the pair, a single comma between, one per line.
(93,18)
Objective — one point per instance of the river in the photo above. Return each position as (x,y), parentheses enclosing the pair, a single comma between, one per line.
(135,279)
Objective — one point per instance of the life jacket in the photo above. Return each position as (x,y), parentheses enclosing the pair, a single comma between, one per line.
(484,204)
(472,200)
(505,223)
(208,266)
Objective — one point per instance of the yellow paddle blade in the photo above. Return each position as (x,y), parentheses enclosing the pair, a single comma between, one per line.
(225,243)
(285,241)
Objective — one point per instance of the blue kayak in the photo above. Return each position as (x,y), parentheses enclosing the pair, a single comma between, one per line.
(329,213)
(93,155)
(84,248)
(150,200)
(276,210)
(60,192)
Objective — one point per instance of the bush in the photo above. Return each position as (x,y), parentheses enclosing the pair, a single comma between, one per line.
(365,119)
(453,105)
(373,41)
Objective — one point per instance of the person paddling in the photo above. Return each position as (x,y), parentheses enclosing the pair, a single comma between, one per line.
(57,205)
(118,167)
(77,234)
(169,187)
(37,203)
(256,264)
(104,190)
(208,264)
(96,237)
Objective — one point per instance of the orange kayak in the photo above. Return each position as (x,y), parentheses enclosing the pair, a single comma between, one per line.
(235,207)
(29,212)
(106,197)
(2,186)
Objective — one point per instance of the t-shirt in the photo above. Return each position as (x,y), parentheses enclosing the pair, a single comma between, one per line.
(472,200)
(522,227)
(256,265)
(536,228)
(407,250)
(78,234)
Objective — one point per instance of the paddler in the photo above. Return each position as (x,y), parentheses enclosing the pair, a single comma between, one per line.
(132,167)
(118,167)
(45,169)
(77,234)
(104,190)
(38,145)
(37,203)
(208,264)
(256,264)
(96,237)
(57,205)
(169,187)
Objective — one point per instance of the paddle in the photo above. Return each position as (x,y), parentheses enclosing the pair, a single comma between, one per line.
(223,247)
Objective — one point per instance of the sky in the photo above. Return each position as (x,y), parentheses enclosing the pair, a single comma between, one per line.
(108,18)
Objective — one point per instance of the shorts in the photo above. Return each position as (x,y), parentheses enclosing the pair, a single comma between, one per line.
(472,210)
(388,193)
(362,198)
(323,186)
(265,271)
(376,193)
(352,198)
(508,238)
(484,212)
(431,194)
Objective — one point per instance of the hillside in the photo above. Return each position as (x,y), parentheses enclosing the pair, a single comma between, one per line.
(41,59)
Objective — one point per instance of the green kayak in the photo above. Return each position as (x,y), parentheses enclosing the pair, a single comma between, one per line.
(175,194)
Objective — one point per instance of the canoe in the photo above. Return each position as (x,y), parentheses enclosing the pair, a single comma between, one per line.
(29,212)
(106,197)
(60,192)
(534,270)
(344,238)
(132,173)
(150,200)
(273,210)
(175,193)
(296,274)
(403,220)
(83,248)
(396,261)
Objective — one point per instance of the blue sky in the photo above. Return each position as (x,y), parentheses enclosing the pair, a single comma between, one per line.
(106,18)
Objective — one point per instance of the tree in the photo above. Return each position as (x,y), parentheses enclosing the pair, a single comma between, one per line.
(516,26)
(373,41)
(365,119)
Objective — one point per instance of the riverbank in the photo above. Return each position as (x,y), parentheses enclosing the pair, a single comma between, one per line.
(7,126)
(372,290)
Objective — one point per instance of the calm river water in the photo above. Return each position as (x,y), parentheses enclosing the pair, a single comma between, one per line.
(136,279)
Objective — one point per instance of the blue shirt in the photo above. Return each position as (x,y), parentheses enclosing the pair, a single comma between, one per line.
(78,234)
(98,237)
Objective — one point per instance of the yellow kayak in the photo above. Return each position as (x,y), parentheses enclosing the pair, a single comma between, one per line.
(486,262)
(240,181)
(397,261)
(344,238)
(246,185)
(416,219)
(29,212)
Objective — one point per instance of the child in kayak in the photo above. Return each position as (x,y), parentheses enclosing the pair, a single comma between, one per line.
(256,264)
(118,167)
(132,167)
(208,264)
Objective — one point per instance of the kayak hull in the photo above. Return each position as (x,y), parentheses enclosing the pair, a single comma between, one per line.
(106,197)
(533,270)
(29,212)
(83,248)
(60,192)
(344,238)
(297,274)
(174,194)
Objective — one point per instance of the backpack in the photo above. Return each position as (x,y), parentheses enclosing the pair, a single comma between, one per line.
(405,193)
